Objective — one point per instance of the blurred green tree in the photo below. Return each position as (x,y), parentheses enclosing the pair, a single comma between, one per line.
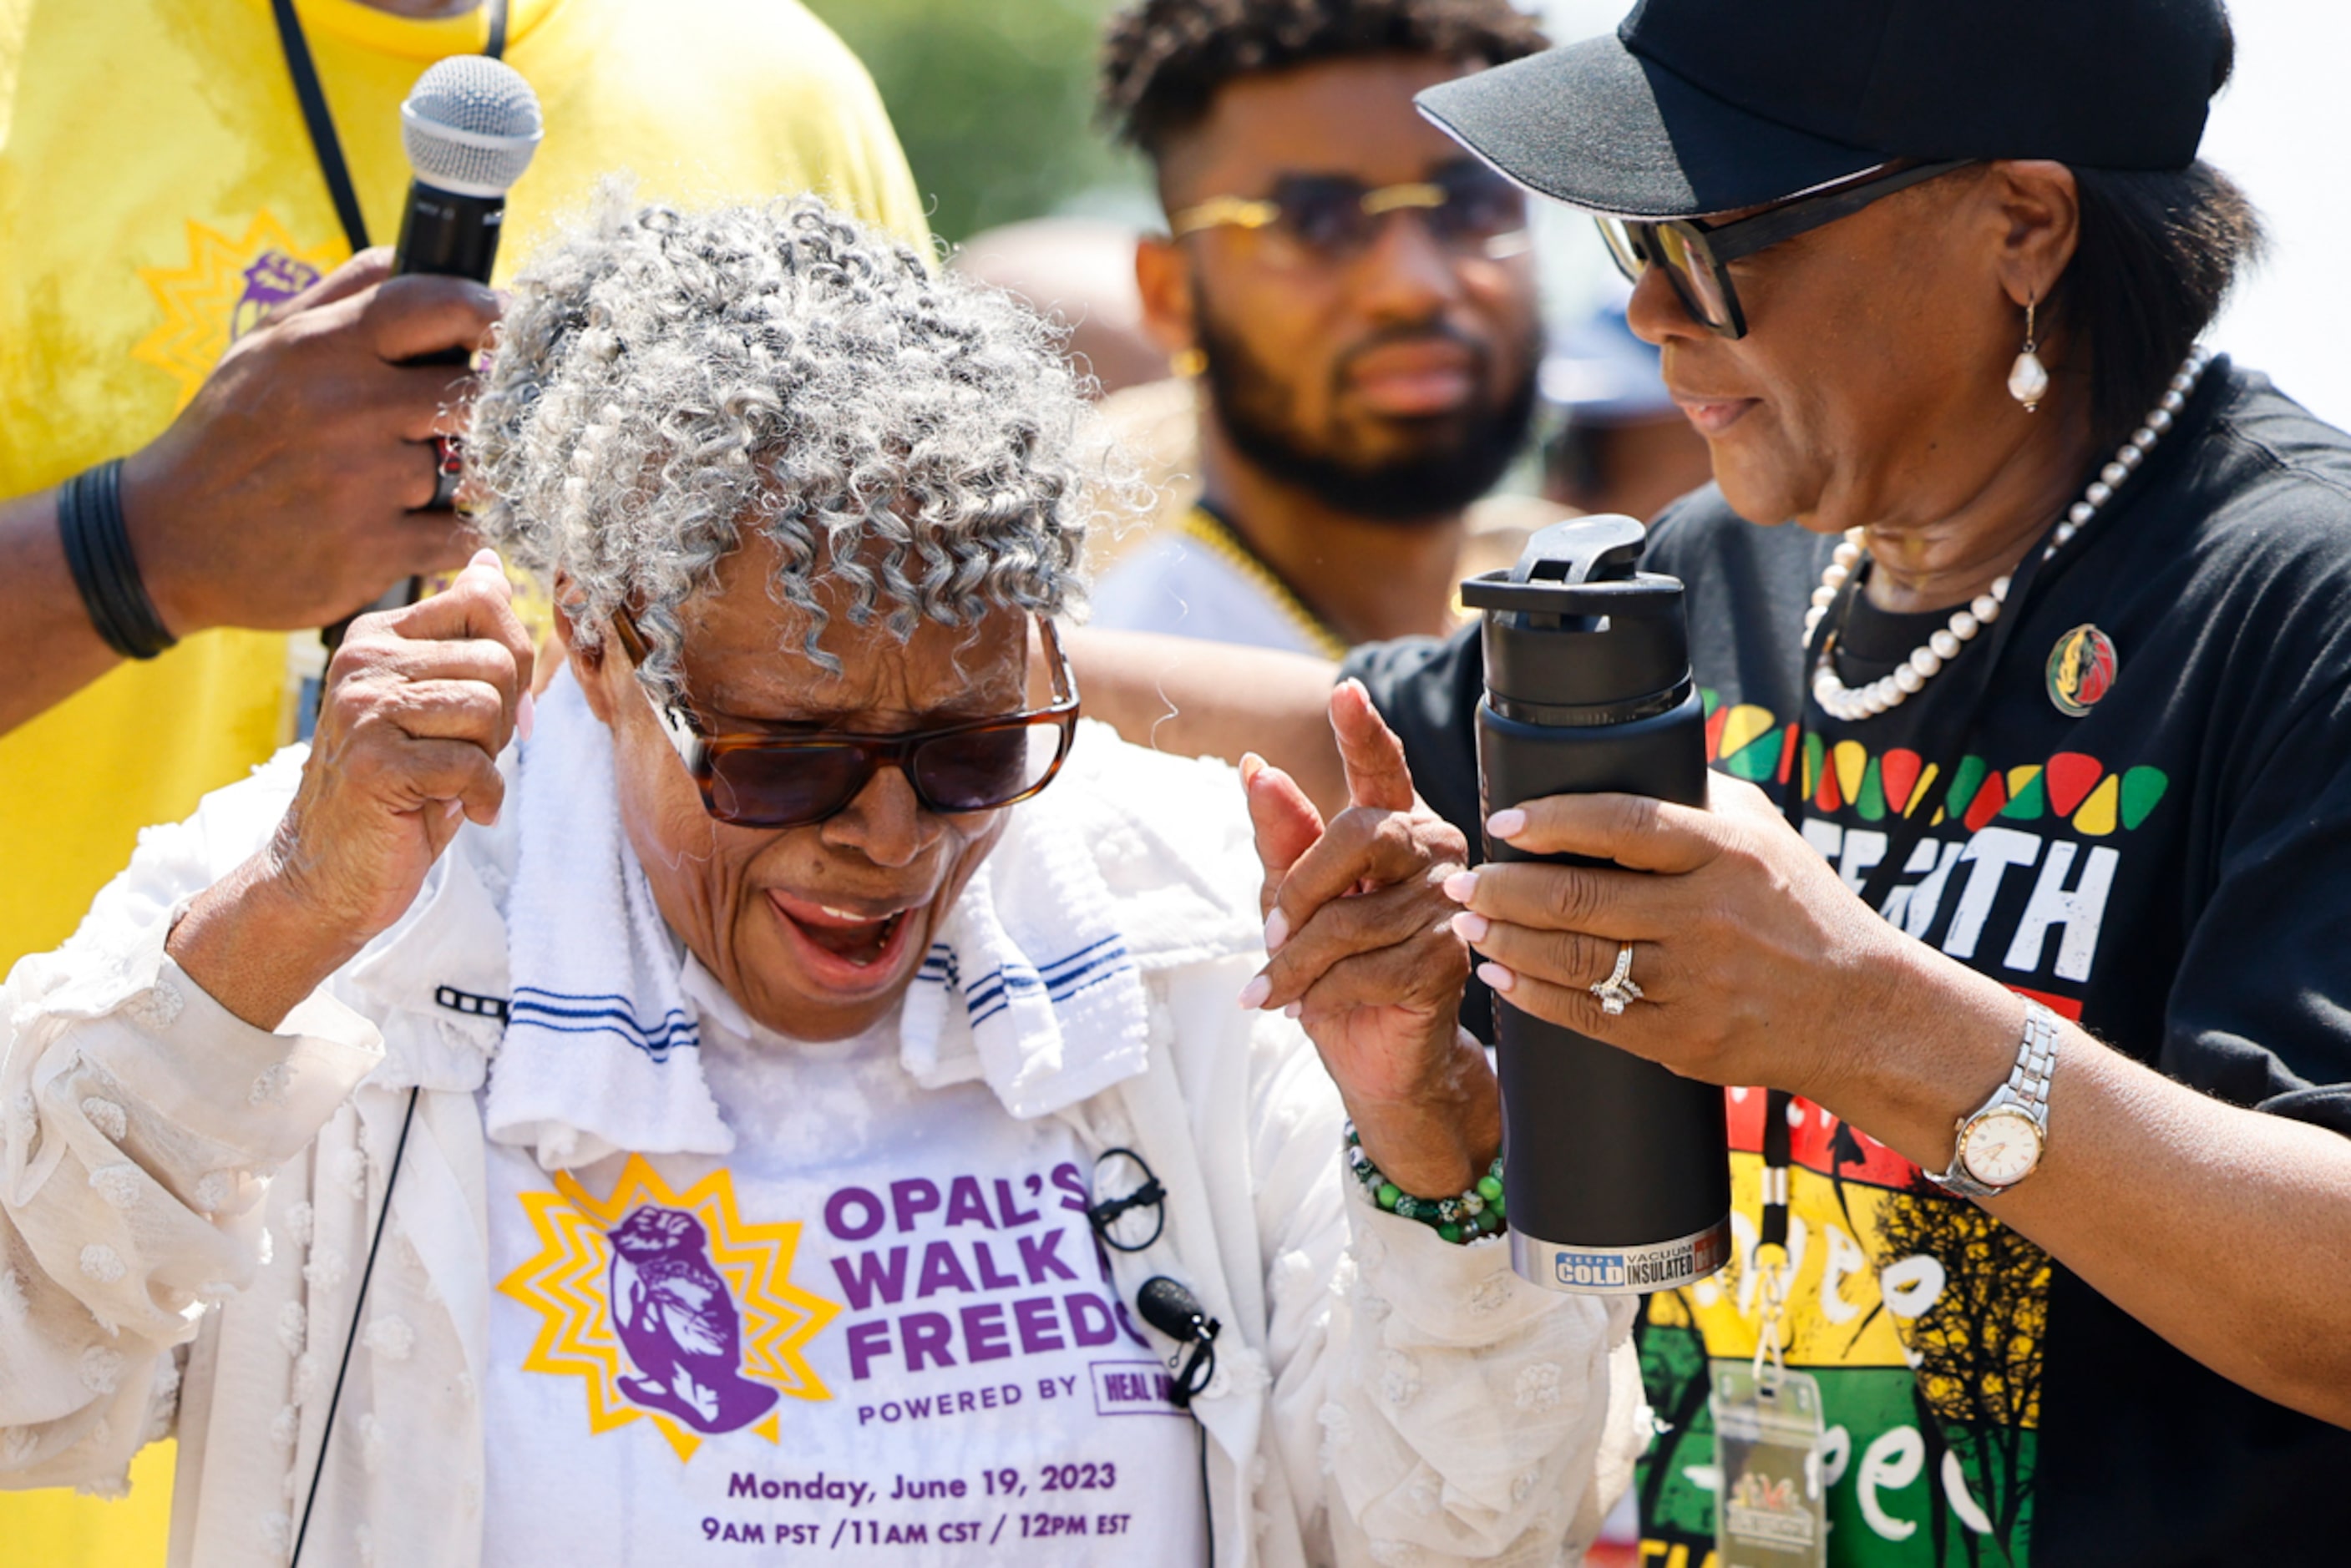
(994,101)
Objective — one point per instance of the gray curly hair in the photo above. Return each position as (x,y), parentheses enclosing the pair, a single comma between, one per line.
(665,379)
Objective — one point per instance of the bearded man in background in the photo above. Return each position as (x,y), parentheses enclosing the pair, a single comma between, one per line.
(1353,294)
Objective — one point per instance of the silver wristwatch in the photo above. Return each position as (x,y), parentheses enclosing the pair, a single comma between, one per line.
(1999,1143)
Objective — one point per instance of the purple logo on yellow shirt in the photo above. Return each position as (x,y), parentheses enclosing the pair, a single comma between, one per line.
(670,1305)
(227,289)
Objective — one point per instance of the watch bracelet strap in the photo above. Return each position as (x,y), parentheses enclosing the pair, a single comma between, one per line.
(2025,1089)
(98,553)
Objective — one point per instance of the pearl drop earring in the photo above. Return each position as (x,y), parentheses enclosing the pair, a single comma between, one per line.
(2027,379)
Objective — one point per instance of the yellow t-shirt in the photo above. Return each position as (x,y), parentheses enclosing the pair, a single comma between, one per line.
(158,190)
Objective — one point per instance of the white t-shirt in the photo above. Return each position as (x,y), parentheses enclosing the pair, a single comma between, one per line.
(879,1332)
(1181,586)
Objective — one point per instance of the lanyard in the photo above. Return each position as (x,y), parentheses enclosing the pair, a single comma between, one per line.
(320,119)
(1772,1231)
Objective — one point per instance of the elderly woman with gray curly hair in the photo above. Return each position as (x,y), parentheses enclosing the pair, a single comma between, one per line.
(792,1096)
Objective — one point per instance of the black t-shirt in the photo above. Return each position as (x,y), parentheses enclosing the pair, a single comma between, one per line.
(2172,868)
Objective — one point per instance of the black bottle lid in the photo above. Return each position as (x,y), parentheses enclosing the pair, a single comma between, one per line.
(1575,635)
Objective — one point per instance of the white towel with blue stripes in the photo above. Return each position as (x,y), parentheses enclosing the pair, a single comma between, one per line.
(603,1052)
(1029,983)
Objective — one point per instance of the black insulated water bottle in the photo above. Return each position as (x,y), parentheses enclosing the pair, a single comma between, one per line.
(1617,1173)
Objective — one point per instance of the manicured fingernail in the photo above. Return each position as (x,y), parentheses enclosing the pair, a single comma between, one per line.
(1461,887)
(525,715)
(1471,927)
(1498,977)
(1251,766)
(1276,931)
(1254,993)
(451,809)
(485,556)
(1295,1010)
(1507,823)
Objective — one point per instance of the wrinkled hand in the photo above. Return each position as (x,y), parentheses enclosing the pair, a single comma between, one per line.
(1363,956)
(287,492)
(1757,964)
(419,703)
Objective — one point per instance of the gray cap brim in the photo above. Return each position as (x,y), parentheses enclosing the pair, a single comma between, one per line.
(1598,127)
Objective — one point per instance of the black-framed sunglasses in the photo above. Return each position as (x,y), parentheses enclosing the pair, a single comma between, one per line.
(1467,206)
(786,776)
(1697,256)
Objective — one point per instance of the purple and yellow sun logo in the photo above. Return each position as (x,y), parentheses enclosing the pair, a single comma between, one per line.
(669,1305)
(227,290)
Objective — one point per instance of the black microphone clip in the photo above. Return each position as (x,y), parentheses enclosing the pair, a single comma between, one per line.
(1172,1309)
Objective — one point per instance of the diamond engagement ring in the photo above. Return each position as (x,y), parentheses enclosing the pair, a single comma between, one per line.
(1618,987)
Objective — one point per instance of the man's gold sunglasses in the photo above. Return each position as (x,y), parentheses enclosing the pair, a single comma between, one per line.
(1466,205)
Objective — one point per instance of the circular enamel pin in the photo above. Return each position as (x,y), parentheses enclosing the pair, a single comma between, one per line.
(2081,670)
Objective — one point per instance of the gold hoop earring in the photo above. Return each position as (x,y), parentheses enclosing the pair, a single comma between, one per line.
(1188,363)
(2027,379)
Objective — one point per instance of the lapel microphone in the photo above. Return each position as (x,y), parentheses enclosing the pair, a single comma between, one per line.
(1176,1312)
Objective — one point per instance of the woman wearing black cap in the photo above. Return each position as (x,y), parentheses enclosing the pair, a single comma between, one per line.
(2053,670)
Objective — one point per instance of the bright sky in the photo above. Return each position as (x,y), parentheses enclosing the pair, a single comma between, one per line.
(2283,130)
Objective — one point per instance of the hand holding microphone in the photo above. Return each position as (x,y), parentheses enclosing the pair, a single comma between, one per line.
(304,476)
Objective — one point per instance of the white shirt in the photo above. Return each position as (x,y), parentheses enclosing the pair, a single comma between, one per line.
(182,1253)
(880,1329)
(1182,584)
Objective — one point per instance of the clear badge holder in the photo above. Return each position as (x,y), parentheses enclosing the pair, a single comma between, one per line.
(1772,1508)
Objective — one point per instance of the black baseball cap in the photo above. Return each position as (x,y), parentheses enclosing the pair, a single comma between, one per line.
(1695,107)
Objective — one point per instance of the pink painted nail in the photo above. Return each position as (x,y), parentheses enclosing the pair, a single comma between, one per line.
(1498,977)
(1507,823)
(1276,931)
(1461,887)
(1471,927)
(1254,993)
(1295,1010)
(525,715)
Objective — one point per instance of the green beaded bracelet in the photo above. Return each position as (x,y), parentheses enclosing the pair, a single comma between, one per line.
(1477,1212)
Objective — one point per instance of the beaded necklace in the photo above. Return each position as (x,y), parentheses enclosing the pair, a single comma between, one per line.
(1852,703)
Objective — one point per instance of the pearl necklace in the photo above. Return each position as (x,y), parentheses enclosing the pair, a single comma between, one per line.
(1850,704)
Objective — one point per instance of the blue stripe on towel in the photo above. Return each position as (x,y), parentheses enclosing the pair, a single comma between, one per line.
(558,1013)
(1011,978)
(1068,983)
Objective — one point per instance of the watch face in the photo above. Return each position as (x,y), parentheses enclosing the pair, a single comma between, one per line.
(2003,1148)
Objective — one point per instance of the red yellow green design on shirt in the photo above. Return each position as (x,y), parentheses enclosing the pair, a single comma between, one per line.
(1749,743)
(1922,1317)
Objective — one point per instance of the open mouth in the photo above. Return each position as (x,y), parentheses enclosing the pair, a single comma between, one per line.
(848,947)
(847,935)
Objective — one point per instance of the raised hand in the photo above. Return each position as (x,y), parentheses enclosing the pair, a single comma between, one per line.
(1362,955)
(419,703)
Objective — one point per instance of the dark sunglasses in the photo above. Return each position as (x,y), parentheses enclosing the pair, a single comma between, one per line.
(789,778)
(1697,256)
(1466,205)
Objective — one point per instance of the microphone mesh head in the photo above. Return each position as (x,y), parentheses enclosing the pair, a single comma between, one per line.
(470,126)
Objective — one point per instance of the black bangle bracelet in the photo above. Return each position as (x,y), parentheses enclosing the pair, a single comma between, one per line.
(98,553)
